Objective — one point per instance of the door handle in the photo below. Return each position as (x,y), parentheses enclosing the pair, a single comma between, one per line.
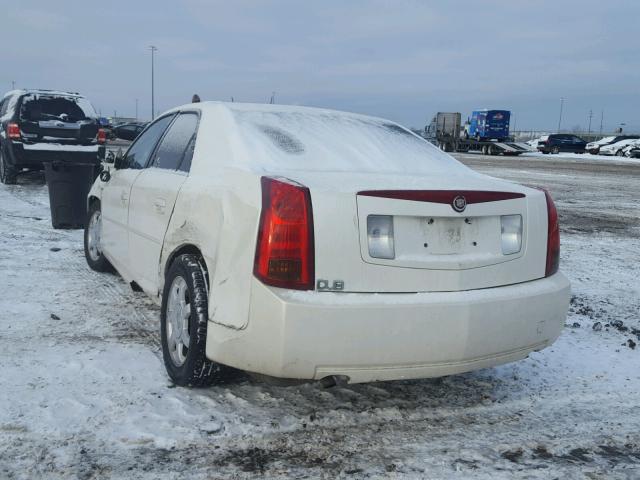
(124,198)
(160,204)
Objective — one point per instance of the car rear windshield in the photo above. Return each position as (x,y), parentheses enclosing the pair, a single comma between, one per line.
(337,142)
(37,107)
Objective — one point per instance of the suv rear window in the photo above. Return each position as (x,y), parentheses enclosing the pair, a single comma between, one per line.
(36,107)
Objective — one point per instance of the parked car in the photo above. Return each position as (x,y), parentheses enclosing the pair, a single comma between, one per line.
(39,126)
(306,243)
(128,131)
(633,150)
(561,142)
(616,148)
(594,147)
(533,143)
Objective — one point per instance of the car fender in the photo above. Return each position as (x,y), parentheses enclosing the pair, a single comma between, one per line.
(98,186)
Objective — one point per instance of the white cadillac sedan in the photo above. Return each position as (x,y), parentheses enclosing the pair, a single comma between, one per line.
(307,243)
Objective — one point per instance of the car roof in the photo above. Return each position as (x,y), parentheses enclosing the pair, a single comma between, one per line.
(239,107)
(39,91)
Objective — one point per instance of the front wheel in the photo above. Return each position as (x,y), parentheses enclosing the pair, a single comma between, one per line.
(619,153)
(184,319)
(92,235)
(555,150)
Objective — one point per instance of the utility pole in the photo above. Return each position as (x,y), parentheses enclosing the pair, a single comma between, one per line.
(136,109)
(273,98)
(153,49)
(590,117)
(13,84)
(601,120)
(560,117)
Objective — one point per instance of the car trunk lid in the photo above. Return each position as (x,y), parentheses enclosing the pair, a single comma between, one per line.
(436,248)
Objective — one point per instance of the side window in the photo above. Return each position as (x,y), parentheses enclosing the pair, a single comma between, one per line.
(141,150)
(176,144)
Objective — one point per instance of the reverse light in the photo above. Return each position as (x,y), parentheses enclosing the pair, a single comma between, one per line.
(380,236)
(102,136)
(553,237)
(285,248)
(13,131)
(511,233)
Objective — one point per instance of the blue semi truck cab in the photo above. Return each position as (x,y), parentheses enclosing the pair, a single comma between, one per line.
(488,125)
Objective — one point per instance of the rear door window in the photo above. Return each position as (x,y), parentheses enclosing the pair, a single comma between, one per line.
(138,154)
(176,146)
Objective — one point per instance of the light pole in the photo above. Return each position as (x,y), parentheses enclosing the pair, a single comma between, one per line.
(153,49)
(13,84)
(136,109)
(560,118)
(590,117)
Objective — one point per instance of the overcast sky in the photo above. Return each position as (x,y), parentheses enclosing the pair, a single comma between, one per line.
(399,59)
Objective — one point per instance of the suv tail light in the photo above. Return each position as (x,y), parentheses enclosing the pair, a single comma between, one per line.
(102,136)
(285,249)
(13,131)
(553,237)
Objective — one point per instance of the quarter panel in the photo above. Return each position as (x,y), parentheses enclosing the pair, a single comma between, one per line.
(220,217)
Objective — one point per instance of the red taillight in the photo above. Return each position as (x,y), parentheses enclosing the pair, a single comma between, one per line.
(102,136)
(285,251)
(553,237)
(13,131)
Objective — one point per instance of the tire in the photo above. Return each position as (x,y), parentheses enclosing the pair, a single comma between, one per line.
(555,150)
(619,153)
(8,172)
(92,253)
(185,284)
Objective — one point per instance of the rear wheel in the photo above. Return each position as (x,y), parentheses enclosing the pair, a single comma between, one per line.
(619,153)
(555,150)
(8,172)
(184,319)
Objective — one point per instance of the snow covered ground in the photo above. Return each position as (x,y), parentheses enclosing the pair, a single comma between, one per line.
(83,392)
(581,157)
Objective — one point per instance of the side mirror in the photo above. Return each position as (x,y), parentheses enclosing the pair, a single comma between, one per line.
(105,176)
(119,158)
(110,157)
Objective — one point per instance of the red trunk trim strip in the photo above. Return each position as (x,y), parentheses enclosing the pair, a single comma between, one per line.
(442,196)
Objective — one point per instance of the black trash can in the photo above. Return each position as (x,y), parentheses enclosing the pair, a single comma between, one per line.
(69,185)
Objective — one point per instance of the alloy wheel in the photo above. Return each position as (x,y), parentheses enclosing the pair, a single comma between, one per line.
(177,321)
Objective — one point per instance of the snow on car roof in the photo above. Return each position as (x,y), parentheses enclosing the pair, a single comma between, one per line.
(280,137)
(38,91)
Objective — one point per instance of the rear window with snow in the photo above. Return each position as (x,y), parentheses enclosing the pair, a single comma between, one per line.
(327,141)
(36,107)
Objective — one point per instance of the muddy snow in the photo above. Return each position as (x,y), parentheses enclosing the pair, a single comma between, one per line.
(83,392)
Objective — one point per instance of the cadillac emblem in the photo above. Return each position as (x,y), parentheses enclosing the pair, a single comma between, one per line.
(459,203)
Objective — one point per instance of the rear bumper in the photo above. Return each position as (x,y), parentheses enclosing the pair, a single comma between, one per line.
(371,337)
(26,156)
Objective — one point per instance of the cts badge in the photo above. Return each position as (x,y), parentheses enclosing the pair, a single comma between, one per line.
(459,203)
